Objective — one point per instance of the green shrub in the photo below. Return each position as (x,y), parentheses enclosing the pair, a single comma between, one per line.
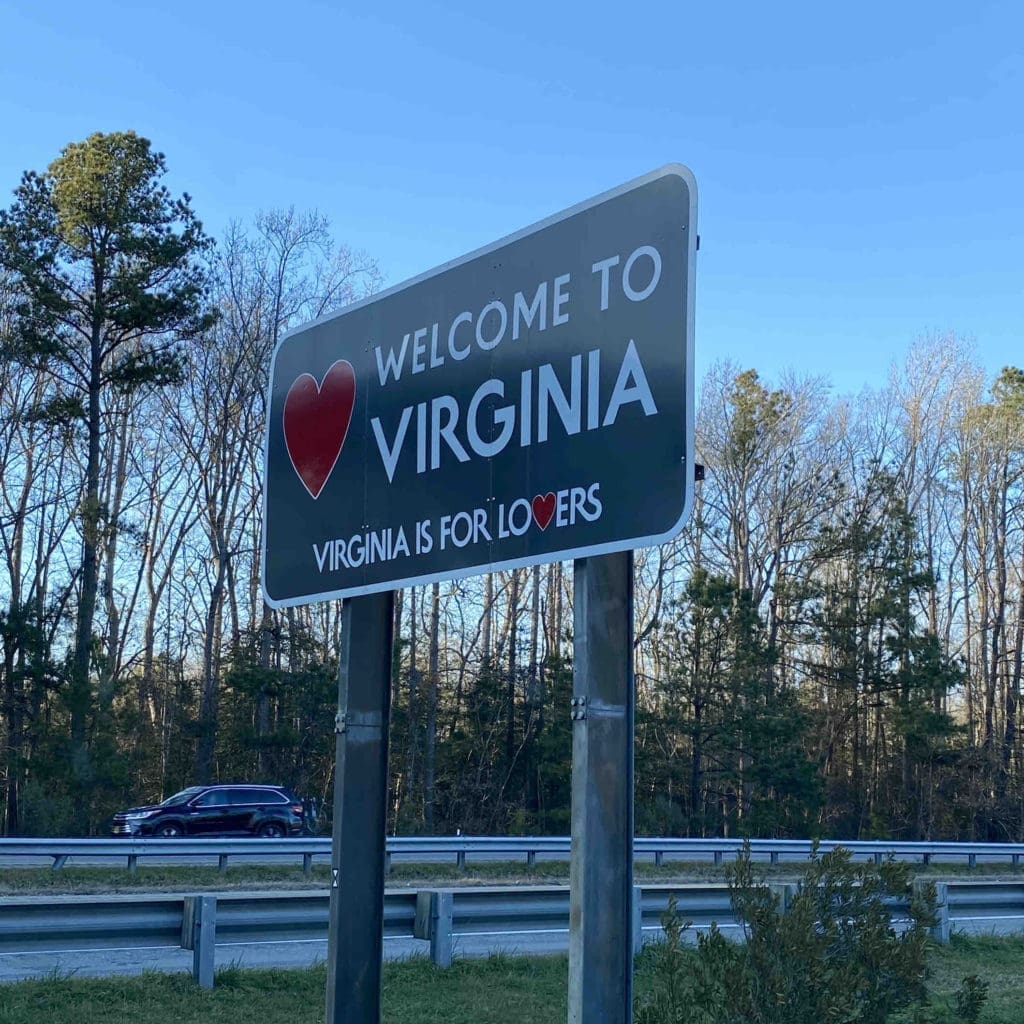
(686,989)
(831,957)
(970,998)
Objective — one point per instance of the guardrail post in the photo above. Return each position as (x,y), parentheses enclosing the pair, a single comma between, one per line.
(659,858)
(718,858)
(59,861)
(972,860)
(637,911)
(940,930)
(531,858)
(434,923)
(773,857)
(307,864)
(199,933)
(460,860)
(1016,861)
(222,863)
(784,893)
(133,863)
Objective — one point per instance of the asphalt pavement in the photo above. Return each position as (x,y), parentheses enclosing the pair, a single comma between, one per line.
(107,962)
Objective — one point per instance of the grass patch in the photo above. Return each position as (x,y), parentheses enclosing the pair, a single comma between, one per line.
(1000,962)
(194,878)
(170,878)
(490,991)
(498,990)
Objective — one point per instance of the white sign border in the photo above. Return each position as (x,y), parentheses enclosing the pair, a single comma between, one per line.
(668,170)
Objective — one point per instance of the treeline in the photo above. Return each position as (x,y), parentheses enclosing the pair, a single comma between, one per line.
(832,647)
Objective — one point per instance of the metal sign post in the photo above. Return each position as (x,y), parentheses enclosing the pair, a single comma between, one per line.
(601,869)
(356,929)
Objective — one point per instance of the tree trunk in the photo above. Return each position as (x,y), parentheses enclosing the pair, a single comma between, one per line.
(13,706)
(536,697)
(14,651)
(510,728)
(211,680)
(412,739)
(118,470)
(430,745)
(79,692)
(488,616)
(1009,750)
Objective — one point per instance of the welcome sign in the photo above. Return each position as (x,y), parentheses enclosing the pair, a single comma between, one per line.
(532,401)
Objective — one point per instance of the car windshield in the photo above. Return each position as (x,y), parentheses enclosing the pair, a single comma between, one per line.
(178,798)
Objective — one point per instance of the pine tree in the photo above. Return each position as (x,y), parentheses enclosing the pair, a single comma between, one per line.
(109,278)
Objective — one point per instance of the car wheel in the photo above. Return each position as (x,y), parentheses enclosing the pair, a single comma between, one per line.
(271,830)
(169,830)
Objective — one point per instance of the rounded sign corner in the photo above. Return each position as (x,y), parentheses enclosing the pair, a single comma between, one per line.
(271,602)
(679,170)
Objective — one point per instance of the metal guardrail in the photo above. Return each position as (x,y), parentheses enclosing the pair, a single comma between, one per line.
(438,916)
(47,924)
(445,915)
(131,850)
(529,848)
(65,923)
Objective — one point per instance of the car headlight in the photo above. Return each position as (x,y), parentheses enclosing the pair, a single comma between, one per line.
(139,816)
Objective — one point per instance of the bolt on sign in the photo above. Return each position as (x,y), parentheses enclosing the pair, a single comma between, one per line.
(529,402)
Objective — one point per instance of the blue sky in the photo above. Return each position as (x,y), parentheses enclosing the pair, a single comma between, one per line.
(861,166)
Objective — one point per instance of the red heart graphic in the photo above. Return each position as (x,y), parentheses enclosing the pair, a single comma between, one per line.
(543,508)
(316,419)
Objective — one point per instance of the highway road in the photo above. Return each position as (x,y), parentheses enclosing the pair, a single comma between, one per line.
(102,963)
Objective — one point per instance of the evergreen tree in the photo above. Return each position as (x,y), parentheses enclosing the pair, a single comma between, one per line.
(732,744)
(108,277)
(882,677)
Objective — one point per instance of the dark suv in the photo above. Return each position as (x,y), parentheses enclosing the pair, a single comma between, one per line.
(268,811)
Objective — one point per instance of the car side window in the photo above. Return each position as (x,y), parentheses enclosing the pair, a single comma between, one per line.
(215,798)
(267,796)
(248,796)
